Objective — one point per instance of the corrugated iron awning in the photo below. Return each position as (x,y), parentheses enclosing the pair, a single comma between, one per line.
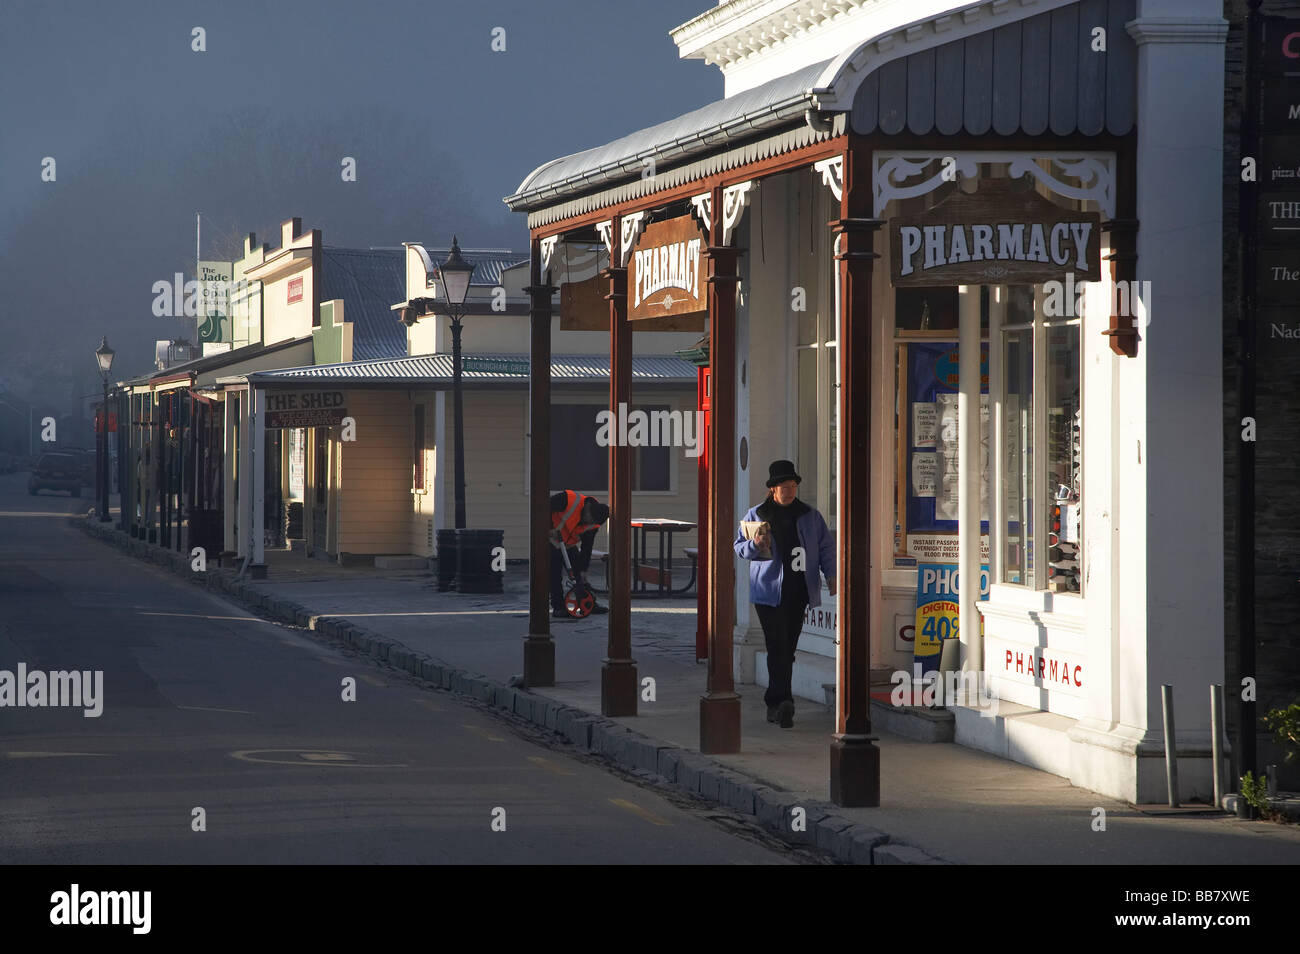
(435,370)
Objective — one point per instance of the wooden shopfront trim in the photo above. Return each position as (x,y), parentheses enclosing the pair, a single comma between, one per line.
(763,168)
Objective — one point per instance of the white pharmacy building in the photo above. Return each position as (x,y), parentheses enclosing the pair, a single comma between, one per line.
(979,304)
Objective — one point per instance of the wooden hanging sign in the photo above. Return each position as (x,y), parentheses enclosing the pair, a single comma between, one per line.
(1004,234)
(665,272)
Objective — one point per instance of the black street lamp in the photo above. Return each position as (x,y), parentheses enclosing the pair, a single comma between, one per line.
(453,278)
(104,356)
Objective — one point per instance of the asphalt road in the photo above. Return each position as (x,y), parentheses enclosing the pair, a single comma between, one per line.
(206,707)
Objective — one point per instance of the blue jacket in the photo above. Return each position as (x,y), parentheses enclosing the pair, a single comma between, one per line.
(765,576)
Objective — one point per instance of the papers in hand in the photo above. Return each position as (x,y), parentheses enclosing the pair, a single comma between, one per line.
(751,529)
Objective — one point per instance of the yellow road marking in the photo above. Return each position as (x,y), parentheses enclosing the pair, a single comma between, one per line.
(210,709)
(428,705)
(57,755)
(237,619)
(478,730)
(296,758)
(373,680)
(549,765)
(640,812)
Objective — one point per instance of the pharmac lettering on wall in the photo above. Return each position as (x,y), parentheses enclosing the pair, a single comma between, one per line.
(64,689)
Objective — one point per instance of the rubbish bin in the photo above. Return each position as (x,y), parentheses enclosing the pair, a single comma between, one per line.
(446,559)
(474,573)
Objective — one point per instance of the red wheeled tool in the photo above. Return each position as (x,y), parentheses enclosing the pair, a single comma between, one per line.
(578,600)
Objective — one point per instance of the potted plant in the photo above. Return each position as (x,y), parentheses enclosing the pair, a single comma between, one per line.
(1254,796)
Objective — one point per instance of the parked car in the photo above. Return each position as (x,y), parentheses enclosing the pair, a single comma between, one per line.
(89,461)
(57,472)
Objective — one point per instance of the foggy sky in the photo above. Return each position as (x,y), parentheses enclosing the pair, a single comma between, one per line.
(146,132)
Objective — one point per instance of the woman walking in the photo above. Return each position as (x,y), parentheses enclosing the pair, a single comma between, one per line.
(789,548)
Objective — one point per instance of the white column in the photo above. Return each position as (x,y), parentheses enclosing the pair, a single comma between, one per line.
(1103,518)
(228,461)
(440,521)
(245,474)
(256,486)
(998,297)
(1171,444)
(969,471)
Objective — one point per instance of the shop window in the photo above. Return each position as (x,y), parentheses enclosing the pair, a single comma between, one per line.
(578,462)
(417,447)
(926,424)
(297,463)
(1040,453)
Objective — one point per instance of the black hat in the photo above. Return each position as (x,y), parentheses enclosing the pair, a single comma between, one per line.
(779,471)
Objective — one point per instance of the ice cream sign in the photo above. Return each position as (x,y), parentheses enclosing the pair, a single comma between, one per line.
(1003,234)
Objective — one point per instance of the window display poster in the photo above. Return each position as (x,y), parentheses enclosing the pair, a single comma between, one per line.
(925,424)
(940,547)
(938,587)
(932,381)
(924,474)
(945,505)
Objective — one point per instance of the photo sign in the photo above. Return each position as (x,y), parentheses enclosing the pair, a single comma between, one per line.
(665,273)
(1003,234)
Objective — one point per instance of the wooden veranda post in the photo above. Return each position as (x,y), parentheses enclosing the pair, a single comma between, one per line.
(720,705)
(854,757)
(618,679)
(539,645)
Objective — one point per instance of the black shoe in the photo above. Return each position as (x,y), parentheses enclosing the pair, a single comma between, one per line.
(771,713)
(597,609)
(785,714)
(559,613)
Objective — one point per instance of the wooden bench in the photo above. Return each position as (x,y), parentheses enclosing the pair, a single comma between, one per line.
(648,573)
(692,554)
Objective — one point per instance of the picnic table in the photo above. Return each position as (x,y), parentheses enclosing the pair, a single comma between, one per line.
(658,572)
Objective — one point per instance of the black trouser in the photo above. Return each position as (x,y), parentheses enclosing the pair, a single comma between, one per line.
(781,628)
(557,575)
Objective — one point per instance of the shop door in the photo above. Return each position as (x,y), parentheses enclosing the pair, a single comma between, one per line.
(320,492)
(204,480)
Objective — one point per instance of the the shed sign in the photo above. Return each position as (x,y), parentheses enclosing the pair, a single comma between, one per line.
(664,275)
(304,408)
(1003,234)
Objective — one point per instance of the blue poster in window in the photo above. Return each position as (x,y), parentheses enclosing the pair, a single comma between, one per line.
(931,434)
(938,589)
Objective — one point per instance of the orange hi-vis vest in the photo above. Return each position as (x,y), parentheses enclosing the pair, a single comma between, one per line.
(569,522)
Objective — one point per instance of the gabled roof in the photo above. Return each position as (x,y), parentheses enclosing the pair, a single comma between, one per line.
(214,362)
(777,103)
(368,281)
(488,263)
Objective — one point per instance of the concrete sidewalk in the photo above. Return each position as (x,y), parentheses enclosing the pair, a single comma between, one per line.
(939,802)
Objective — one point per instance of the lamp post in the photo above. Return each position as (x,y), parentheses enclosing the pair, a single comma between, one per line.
(453,277)
(104,355)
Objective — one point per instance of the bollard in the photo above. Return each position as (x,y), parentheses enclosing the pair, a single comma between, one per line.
(1216,742)
(1171,756)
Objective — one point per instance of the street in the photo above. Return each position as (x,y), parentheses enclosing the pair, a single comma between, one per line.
(206,707)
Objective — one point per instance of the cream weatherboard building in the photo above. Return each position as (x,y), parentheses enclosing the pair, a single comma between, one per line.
(971,411)
(377,479)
